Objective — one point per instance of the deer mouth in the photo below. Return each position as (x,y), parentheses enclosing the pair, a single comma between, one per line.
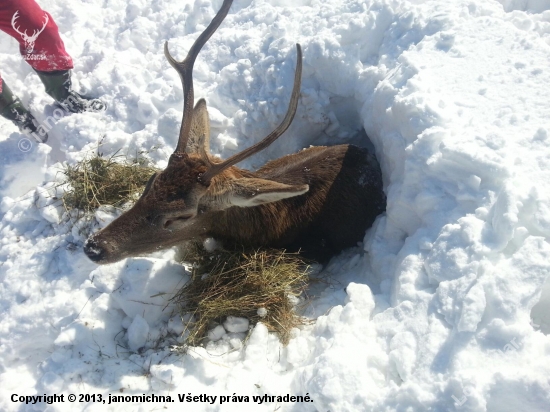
(103,255)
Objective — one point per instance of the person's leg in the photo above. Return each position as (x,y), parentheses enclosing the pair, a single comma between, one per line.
(12,109)
(58,85)
(42,47)
(39,42)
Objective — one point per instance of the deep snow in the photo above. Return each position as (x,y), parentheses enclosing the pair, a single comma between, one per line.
(441,311)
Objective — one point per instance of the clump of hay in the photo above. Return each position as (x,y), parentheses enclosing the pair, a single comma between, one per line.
(98,181)
(237,283)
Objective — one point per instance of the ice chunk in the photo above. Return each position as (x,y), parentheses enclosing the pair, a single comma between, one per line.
(138,332)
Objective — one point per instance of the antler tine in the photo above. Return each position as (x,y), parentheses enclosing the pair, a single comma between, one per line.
(185,70)
(46,21)
(270,138)
(13,20)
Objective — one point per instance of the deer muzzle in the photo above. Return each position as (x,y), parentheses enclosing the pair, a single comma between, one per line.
(94,251)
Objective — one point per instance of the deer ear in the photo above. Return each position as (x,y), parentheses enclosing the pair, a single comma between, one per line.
(200,127)
(249,192)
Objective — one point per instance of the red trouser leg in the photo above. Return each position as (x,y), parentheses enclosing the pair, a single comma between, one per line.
(37,34)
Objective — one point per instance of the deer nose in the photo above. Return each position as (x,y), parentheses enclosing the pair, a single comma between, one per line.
(95,252)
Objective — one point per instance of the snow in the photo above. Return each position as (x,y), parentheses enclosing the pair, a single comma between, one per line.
(445,305)
(138,332)
(235,324)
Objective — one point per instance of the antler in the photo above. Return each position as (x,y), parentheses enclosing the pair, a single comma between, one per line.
(217,168)
(185,70)
(13,20)
(37,32)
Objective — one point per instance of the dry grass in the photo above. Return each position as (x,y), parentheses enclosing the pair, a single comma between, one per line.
(98,181)
(237,283)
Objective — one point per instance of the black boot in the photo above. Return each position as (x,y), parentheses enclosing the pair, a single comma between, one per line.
(12,109)
(58,85)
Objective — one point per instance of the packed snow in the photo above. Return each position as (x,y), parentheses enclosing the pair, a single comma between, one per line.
(445,306)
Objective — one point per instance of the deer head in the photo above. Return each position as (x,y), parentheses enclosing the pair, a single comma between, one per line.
(29,40)
(181,202)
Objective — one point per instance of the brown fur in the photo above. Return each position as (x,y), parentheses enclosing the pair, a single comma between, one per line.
(345,196)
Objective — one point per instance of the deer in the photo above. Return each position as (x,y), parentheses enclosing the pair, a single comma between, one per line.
(320,200)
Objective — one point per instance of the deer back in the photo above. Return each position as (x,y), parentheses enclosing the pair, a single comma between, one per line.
(345,195)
